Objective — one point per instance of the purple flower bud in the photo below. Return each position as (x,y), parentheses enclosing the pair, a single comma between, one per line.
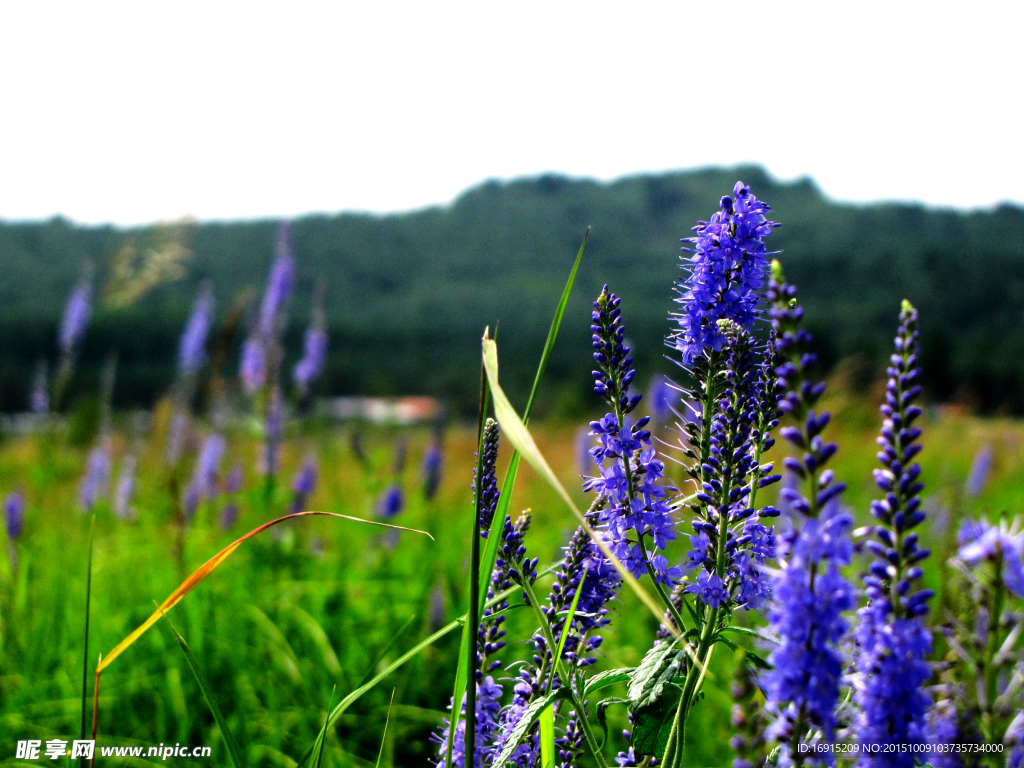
(125,488)
(14,514)
(192,348)
(253,369)
(391,503)
(433,465)
(76,317)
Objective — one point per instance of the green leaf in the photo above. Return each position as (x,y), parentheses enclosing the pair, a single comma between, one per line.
(757,661)
(653,724)
(729,643)
(607,678)
(204,685)
(529,718)
(547,737)
(602,717)
(657,669)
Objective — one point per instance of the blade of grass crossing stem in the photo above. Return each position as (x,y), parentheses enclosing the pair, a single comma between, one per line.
(547,737)
(515,430)
(483,566)
(505,499)
(85,642)
(212,564)
(204,685)
(387,722)
(318,747)
(465,676)
(568,625)
(346,702)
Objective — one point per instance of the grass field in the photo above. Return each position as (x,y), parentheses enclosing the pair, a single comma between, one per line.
(320,604)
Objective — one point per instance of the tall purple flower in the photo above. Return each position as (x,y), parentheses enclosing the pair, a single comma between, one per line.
(314,349)
(279,285)
(14,514)
(76,317)
(662,399)
(39,400)
(629,470)
(97,475)
(727,270)
(981,468)
(304,484)
(892,640)
(431,471)
(192,348)
(208,465)
(253,369)
(730,544)
(232,485)
(125,488)
(810,593)
(273,434)
(391,503)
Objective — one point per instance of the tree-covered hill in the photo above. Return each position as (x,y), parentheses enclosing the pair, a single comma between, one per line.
(408,295)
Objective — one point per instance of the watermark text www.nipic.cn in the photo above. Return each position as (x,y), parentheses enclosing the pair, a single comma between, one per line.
(37,749)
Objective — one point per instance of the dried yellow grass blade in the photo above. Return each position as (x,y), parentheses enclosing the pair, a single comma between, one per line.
(211,565)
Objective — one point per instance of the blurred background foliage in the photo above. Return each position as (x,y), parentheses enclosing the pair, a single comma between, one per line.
(408,295)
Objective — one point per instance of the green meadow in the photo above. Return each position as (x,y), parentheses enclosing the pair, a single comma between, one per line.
(304,614)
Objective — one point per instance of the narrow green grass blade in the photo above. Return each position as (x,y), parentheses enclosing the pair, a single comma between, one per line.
(322,738)
(204,685)
(567,627)
(387,722)
(515,430)
(85,650)
(505,499)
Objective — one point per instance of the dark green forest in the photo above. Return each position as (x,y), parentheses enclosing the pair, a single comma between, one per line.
(408,295)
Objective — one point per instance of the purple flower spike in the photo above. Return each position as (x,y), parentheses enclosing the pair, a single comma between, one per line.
(125,489)
(314,350)
(208,465)
(279,285)
(253,369)
(663,399)
(97,476)
(391,503)
(433,466)
(76,317)
(192,348)
(304,484)
(14,514)
(981,468)
(727,270)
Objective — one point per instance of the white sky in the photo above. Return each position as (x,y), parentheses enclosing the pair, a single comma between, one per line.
(141,111)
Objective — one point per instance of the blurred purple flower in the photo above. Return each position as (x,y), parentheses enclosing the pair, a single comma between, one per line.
(433,464)
(192,497)
(76,317)
(391,503)
(14,514)
(981,468)
(97,476)
(253,369)
(304,484)
(192,348)
(662,399)
(232,485)
(273,433)
(176,435)
(40,397)
(125,488)
(982,541)
(279,285)
(208,465)
(308,368)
